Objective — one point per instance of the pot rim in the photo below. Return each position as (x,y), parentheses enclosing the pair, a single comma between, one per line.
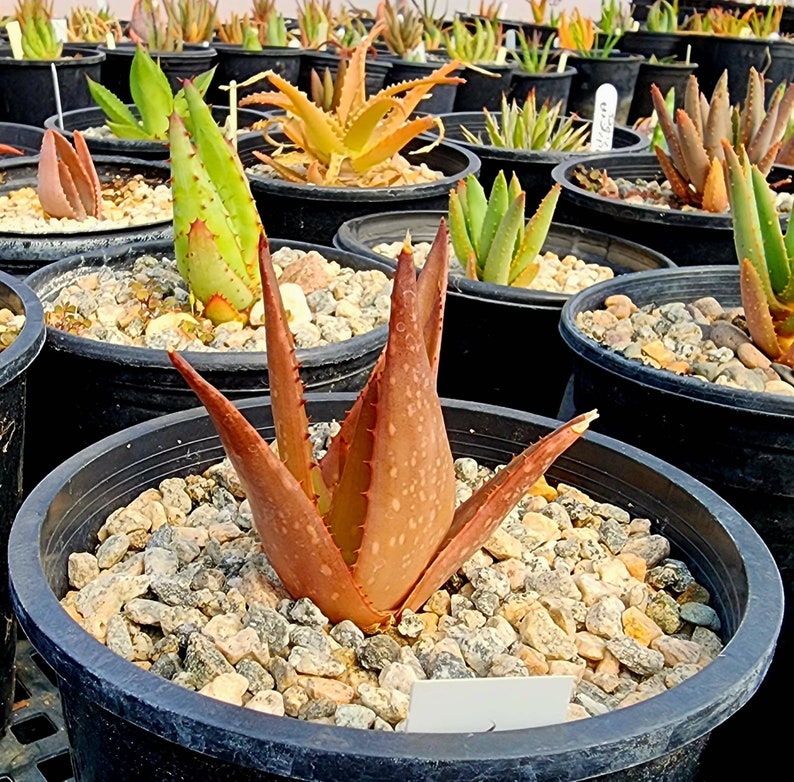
(16,358)
(673,718)
(609,360)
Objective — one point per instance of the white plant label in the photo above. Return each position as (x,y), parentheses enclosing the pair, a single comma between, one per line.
(59,28)
(482,705)
(110,41)
(606,106)
(15,39)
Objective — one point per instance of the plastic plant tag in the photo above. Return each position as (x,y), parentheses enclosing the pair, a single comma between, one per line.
(606,105)
(481,705)
(59,27)
(510,40)
(562,63)
(15,39)
(56,88)
(110,41)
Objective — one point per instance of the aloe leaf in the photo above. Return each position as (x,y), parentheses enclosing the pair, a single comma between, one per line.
(458,231)
(499,260)
(151,93)
(777,261)
(535,233)
(497,207)
(756,312)
(127,131)
(114,108)
(475,211)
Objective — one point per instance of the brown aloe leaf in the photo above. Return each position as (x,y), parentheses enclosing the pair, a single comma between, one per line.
(695,157)
(477,518)
(718,126)
(668,128)
(294,538)
(677,183)
(753,108)
(756,311)
(84,156)
(763,139)
(769,159)
(412,488)
(715,191)
(54,198)
(692,106)
(784,113)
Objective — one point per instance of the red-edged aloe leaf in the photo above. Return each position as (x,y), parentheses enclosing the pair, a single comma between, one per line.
(6,149)
(764,138)
(695,157)
(283,171)
(294,537)
(353,92)
(71,192)
(756,311)
(431,298)
(477,518)
(718,125)
(411,495)
(768,160)
(677,183)
(54,201)
(80,176)
(715,191)
(286,387)
(668,129)
(84,156)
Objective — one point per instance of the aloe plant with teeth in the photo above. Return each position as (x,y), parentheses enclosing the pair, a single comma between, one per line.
(153,98)
(216,224)
(68,184)
(766,258)
(488,233)
(371,529)
(693,163)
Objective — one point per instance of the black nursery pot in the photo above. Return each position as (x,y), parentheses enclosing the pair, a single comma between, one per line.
(128,725)
(187,64)
(478,356)
(22,253)
(533,169)
(739,442)
(314,213)
(26,138)
(141,149)
(376,70)
(484,90)
(27,92)
(659,44)
(552,87)
(442,97)
(781,69)
(689,238)
(235,63)
(113,386)
(15,362)
(716,53)
(665,76)
(620,69)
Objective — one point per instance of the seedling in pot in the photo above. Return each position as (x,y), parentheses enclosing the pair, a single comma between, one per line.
(662,17)
(578,34)
(766,258)
(488,234)
(37,37)
(403,30)
(371,529)
(153,98)
(532,56)
(478,47)
(167,25)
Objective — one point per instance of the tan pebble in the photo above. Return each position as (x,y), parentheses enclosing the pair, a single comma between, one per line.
(659,353)
(620,306)
(567,668)
(536,663)
(635,564)
(576,712)
(752,357)
(268,702)
(319,687)
(609,665)
(640,627)
(502,545)
(779,387)
(589,645)
(226,687)
(679,367)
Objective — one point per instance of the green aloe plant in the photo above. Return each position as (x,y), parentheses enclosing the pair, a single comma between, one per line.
(216,223)
(766,258)
(482,45)
(371,529)
(152,96)
(489,235)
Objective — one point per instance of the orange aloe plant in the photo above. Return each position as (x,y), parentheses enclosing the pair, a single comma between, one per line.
(371,529)
(356,140)
(68,183)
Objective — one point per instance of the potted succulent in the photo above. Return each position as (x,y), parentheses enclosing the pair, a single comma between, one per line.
(548,76)
(62,201)
(659,35)
(140,129)
(332,572)
(21,339)
(351,154)
(668,73)
(507,278)
(197,292)
(684,188)
(35,63)
(529,138)
(87,27)
(744,413)
(597,60)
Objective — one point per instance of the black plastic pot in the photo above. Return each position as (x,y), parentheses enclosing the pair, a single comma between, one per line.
(127,725)
(664,76)
(553,87)
(27,93)
(22,253)
(620,69)
(113,386)
(314,213)
(484,90)
(716,53)
(15,362)
(482,320)
(195,59)
(442,97)
(235,63)
(689,238)
(739,442)
(375,70)
(659,44)
(142,149)
(533,169)
(26,138)
(781,69)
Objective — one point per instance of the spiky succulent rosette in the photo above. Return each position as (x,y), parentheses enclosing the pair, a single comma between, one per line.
(68,184)
(693,163)
(357,140)
(216,223)
(766,258)
(371,529)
